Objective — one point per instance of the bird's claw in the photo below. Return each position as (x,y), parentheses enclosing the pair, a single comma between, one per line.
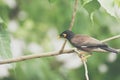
(82,55)
(84,58)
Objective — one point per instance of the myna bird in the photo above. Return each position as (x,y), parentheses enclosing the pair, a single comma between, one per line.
(85,43)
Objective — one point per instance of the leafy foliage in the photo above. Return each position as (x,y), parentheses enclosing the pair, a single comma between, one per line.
(92,6)
(4,41)
(40,21)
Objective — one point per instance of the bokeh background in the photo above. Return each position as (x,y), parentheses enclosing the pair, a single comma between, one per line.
(31,27)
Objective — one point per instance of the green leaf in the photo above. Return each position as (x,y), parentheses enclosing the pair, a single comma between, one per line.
(4,41)
(92,6)
(85,1)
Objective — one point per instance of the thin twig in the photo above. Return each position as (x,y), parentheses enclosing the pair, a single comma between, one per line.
(63,46)
(73,15)
(86,70)
(111,38)
(71,24)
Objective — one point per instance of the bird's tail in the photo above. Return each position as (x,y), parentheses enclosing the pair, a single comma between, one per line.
(109,49)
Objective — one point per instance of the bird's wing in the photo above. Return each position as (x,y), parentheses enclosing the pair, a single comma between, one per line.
(86,41)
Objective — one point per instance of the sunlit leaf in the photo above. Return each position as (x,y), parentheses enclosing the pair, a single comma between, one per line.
(112,7)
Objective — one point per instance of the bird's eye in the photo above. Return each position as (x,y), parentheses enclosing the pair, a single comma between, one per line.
(64,35)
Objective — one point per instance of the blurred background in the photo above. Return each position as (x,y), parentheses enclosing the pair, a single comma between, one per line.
(31,27)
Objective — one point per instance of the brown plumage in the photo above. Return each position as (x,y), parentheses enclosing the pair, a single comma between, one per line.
(85,43)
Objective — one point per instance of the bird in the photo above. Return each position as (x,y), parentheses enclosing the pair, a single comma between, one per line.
(85,43)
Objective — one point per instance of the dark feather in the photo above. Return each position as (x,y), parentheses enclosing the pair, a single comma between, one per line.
(109,49)
(97,46)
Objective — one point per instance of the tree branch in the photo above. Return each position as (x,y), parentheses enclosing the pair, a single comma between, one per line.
(41,55)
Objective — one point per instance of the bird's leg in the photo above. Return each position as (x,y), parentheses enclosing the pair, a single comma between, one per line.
(82,54)
(87,55)
(84,58)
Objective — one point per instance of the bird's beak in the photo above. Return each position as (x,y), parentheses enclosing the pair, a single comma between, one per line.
(58,37)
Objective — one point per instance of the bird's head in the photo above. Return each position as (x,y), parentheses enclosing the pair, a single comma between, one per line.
(67,34)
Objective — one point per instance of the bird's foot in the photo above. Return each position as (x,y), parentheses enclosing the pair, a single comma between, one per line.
(84,58)
(82,55)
